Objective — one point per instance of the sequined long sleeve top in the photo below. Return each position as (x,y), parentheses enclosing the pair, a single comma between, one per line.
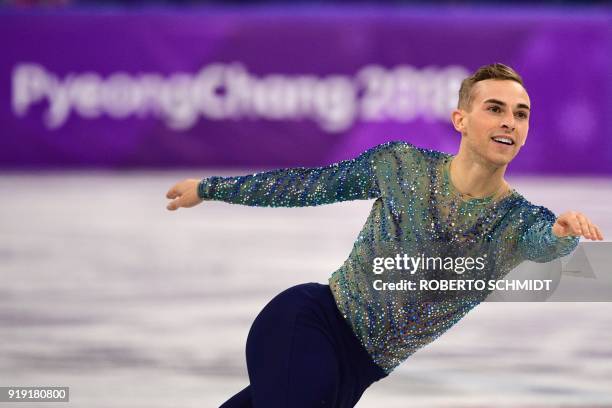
(416,211)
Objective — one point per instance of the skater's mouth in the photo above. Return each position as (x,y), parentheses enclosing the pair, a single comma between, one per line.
(507,140)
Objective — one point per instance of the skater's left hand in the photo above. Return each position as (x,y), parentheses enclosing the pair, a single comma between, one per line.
(184,194)
(576,224)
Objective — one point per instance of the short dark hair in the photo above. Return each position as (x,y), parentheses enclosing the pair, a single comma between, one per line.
(492,71)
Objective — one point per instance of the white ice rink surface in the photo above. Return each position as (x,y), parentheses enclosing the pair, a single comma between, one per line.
(130,305)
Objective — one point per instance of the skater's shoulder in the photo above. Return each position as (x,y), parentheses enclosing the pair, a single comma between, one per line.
(529,212)
(405,149)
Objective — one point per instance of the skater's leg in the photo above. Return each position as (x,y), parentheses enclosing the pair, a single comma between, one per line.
(290,360)
(313,377)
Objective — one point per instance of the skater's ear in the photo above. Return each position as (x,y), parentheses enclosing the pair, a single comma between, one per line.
(459,119)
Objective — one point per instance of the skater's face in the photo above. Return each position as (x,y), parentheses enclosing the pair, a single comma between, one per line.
(499,109)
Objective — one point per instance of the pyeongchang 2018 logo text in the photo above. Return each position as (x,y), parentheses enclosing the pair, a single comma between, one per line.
(229,92)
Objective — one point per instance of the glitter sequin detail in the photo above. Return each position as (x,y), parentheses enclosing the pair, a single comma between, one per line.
(416,210)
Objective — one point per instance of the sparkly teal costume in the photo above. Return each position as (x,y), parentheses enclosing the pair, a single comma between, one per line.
(416,211)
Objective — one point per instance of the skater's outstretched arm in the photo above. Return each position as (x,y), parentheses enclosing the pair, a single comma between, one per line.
(550,237)
(353,179)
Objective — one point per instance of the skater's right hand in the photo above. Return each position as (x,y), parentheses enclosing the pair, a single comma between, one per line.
(183,194)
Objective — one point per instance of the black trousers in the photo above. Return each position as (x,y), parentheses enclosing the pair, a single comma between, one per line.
(301,353)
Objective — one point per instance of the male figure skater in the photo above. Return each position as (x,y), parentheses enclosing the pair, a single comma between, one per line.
(317,345)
